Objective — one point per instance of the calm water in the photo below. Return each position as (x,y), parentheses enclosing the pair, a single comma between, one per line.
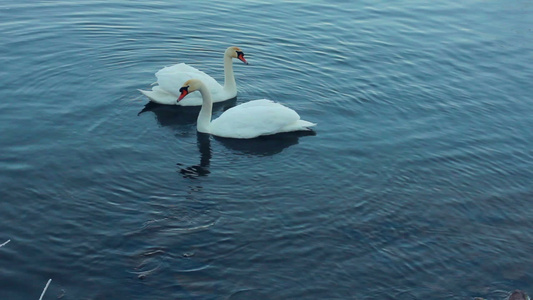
(417,183)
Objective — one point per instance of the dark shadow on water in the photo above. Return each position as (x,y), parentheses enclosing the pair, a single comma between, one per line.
(264,145)
(204,146)
(261,146)
(171,115)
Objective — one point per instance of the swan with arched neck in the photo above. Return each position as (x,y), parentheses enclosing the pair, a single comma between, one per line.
(245,121)
(169,80)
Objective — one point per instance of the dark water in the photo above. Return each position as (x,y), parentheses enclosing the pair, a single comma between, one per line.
(417,183)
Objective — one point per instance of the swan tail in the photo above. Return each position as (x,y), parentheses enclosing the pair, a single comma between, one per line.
(306,124)
(160,96)
(299,125)
(148,94)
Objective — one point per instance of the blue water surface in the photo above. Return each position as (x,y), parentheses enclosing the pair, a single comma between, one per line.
(416,184)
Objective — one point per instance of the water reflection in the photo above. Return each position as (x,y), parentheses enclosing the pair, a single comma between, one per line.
(261,146)
(264,145)
(203,141)
(172,115)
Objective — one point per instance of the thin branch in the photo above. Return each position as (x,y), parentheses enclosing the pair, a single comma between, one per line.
(5,243)
(46,287)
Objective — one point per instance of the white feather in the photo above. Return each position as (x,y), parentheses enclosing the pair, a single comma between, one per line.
(247,120)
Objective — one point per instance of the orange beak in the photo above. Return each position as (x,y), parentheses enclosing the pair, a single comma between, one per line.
(240,56)
(184,92)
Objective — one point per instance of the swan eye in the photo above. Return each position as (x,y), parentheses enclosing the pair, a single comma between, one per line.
(240,56)
(184,89)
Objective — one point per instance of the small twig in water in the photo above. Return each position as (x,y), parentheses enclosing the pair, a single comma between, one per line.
(46,287)
(5,243)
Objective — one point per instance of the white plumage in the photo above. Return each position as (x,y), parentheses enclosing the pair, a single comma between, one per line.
(247,120)
(170,79)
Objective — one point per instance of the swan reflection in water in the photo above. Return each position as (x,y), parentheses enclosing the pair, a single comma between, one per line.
(261,146)
(171,115)
(266,145)
(204,146)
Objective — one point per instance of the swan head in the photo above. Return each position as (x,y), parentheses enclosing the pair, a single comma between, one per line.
(188,87)
(236,52)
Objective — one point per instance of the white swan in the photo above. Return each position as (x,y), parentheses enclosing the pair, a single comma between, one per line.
(244,121)
(169,79)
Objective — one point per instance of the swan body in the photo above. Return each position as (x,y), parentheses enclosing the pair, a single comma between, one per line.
(170,78)
(244,121)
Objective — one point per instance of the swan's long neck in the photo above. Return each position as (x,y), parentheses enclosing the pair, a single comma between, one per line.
(229,79)
(204,118)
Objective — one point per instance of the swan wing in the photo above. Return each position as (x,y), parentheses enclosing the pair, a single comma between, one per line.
(256,103)
(256,118)
(160,96)
(172,78)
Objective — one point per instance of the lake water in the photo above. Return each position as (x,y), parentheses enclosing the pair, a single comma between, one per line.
(417,182)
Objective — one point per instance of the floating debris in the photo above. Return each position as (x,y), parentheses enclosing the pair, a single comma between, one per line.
(518,295)
(45,288)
